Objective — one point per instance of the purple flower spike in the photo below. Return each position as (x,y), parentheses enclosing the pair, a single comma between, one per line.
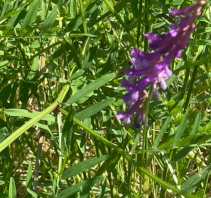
(151,69)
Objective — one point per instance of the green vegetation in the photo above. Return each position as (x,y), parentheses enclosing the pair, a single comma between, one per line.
(61,64)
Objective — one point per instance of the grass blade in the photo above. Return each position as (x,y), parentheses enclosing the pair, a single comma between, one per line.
(90,87)
(82,166)
(12,188)
(31,14)
(49,22)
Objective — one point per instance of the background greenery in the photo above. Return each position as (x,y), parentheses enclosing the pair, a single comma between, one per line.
(61,64)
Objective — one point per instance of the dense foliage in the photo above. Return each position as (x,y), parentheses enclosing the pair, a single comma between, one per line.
(62,62)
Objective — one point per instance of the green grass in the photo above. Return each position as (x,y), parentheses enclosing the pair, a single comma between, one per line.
(61,64)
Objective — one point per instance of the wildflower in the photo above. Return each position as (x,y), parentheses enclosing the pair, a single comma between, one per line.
(151,69)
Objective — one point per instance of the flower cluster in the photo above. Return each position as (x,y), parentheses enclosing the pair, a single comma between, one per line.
(151,69)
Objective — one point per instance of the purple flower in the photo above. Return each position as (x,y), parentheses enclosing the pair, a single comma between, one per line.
(151,69)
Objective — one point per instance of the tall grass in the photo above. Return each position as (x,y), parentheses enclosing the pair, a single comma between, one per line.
(62,62)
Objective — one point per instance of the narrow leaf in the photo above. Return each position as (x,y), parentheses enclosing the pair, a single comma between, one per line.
(196,124)
(49,22)
(34,69)
(67,129)
(180,130)
(29,176)
(12,188)
(92,110)
(203,42)
(82,166)
(31,192)
(26,113)
(162,131)
(31,14)
(1,182)
(4,8)
(191,184)
(68,192)
(90,87)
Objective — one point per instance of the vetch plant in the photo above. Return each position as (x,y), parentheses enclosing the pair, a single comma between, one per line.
(151,69)
(68,143)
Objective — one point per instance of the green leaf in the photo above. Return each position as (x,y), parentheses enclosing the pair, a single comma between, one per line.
(77,20)
(203,139)
(73,8)
(180,130)
(31,192)
(162,131)
(170,79)
(15,19)
(196,124)
(134,6)
(203,42)
(82,35)
(178,119)
(103,193)
(68,192)
(49,22)
(203,78)
(45,127)
(203,30)
(82,166)
(6,16)
(3,130)
(26,113)
(166,144)
(3,63)
(182,153)
(31,14)
(170,103)
(178,2)
(118,7)
(175,111)
(74,52)
(90,87)
(158,25)
(5,93)
(191,184)
(80,141)
(4,8)
(1,182)
(199,99)
(118,134)
(67,129)
(12,188)
(92,110)
(34,69)
(29,176)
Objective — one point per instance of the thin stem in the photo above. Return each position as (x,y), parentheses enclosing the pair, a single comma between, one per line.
(144,159)
(139,22)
